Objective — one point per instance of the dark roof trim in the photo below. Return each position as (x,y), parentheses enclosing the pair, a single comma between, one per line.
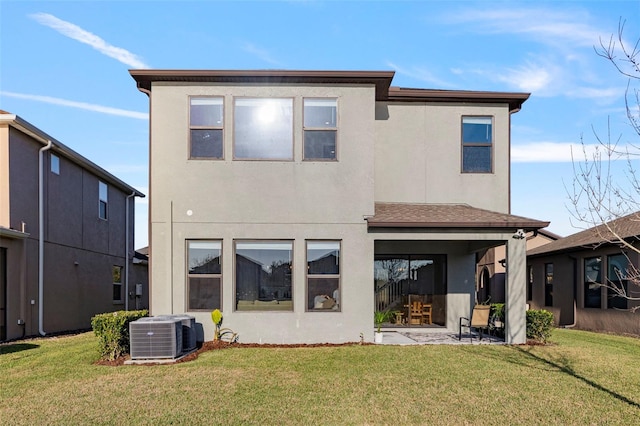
(527,226)
(380,79)
(29,129)
(514,99)
(12,233)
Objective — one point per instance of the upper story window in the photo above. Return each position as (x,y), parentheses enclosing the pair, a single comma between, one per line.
(102,200)
(320,129)
(206,118)
(204,276)
(55,164)
(477,144)
(263,129)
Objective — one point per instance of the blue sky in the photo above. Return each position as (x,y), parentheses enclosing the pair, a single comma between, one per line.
(63,68)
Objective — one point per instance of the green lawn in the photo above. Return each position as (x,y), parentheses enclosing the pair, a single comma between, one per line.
(582,378)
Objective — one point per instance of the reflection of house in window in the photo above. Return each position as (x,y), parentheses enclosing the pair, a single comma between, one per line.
(548,284)
(593,282)
(617,288)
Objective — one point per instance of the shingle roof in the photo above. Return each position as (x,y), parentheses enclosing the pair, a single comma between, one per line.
(627,227)
(409,215)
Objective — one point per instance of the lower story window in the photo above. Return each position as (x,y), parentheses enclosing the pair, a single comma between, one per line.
(204,277)
(617,296)
(548,284)
(593,282)
(323,275)
(116,273)
(263,275)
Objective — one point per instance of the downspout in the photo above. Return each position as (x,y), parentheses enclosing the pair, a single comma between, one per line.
(126,255)
(41,236)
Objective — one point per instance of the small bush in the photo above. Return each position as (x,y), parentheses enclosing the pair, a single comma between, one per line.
(539,325)
(112,329)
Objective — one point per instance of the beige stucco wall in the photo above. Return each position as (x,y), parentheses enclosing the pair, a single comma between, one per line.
(290,200)
(419,156)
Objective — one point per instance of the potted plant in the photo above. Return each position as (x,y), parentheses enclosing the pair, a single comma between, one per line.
(378,318)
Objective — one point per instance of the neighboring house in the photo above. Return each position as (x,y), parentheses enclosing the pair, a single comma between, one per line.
(305,184)
(80,264)
(574,277)
(491,271)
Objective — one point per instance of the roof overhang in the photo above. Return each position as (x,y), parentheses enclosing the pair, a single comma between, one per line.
(447,217)
(380,79)
(13,234)
(514,99)
(35,133)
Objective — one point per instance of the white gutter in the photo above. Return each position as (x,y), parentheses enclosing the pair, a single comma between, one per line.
(41,236)
(126,256)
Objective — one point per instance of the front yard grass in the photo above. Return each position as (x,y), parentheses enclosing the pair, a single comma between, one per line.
(581,378)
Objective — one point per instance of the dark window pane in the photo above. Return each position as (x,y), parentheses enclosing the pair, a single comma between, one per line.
(548,284)
(117,292)
(318,289)
(617,272)
(204,293)
(103,210)
(592,282)
(320,145)
(206,143)
(206,112)
(476,159)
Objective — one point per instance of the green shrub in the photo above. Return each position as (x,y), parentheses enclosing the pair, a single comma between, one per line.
(497,311)
(539,324)
(112,329)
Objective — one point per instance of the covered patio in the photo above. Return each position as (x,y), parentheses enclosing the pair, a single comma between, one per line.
(428,252)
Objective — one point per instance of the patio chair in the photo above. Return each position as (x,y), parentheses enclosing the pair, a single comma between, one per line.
(415,313)
(479,320)
(426,314)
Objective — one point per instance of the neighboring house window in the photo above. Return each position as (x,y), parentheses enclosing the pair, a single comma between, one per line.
(320,129)
(548,284)
(323,275)
(530,283)
(477,144)
(263,129)
(116,273)
(204,275)
(55,164)
(617,273)
(206,115)
(593,282)
(263,275)
(102,200)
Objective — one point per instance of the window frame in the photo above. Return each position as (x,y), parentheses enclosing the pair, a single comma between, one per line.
(291,242)
(337,276)
(490,145)
(306,129)
(548,284)
(530,282)
(196,127)
(102,201)
(215,276)
(118,284)
(55,164)
(291,130)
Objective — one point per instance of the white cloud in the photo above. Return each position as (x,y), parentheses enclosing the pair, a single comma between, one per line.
(420,74)
(80,105)
(552,27)
(75,32)
(555,152)
(261,53)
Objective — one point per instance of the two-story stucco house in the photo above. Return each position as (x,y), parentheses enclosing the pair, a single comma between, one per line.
(66,236)
(297,202)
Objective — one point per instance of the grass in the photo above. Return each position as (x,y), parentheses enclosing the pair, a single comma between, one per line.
(582,378)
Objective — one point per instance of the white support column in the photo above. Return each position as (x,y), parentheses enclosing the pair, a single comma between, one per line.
(516,291)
